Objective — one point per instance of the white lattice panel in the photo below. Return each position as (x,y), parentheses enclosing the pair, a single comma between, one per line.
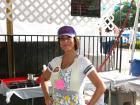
(107,7)
(50,11)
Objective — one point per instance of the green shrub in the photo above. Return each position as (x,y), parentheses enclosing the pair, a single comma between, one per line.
(137,44)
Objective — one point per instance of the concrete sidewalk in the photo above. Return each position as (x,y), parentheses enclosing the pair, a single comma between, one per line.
(126,57)
(138,100)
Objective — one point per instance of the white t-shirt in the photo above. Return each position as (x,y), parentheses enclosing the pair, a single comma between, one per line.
(67,96)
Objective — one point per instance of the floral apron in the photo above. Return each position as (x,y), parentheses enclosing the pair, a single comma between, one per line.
(69,96)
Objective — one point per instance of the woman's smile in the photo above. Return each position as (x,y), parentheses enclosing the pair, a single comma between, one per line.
(67,43)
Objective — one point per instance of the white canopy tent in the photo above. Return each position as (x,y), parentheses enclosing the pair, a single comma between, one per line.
(46,16)
(134,32)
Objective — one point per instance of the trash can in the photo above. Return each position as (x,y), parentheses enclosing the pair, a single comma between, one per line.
(135,67)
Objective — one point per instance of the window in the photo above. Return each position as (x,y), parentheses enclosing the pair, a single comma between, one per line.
(86,8)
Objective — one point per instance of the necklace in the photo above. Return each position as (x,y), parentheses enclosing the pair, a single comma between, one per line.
(67,62)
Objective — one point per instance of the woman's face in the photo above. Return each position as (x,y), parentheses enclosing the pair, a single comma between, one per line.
(67,43)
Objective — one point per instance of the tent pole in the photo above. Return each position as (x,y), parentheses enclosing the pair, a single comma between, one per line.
(9,24)
(135,29)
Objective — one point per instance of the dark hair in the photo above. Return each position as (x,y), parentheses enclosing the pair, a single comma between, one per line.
(76,43)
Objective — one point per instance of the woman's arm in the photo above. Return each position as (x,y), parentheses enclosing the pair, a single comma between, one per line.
(45,77)
(100,87)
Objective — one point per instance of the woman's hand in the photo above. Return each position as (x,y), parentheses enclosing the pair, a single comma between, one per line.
(49,101)
(86,102)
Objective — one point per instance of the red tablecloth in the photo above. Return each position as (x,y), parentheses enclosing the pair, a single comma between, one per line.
(16,79)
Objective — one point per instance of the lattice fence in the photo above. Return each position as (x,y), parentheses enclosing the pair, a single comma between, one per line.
(50,11)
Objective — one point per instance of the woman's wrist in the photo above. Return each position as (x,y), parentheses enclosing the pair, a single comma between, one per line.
(91,103)
(47,97)
(48,101)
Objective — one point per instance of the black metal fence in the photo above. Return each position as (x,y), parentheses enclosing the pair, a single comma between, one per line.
(30,52)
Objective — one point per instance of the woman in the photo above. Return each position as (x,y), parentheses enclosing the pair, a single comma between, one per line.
(67,73)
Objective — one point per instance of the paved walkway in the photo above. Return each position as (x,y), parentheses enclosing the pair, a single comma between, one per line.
(138,101)
(126,57)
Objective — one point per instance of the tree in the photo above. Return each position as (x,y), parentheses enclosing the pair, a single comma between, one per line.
(121,11)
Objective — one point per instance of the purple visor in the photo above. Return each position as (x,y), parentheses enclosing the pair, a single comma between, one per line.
(66,30)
